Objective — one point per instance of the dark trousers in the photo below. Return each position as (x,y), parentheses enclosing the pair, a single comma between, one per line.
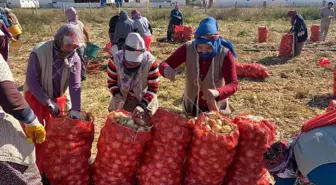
(81,52)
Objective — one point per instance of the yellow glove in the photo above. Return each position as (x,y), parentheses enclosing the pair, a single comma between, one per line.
(35,132)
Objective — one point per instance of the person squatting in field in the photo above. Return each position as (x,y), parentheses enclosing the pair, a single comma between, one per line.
(143,27)
(175,19)
(327,15)
(311,155)
(210,70)
(133,79)
(72,18)
(17,155)
(123,28)
(299,30)
(54,70)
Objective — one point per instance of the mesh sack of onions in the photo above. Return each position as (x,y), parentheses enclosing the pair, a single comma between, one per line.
(286,45)
(264,179)
(331,106)
(315,33)
(164,155)
(256,135)
(68,150)
(262,34)
(178,33)
(334,88)
(120,146)
(188,33)
(213,148)
(252,70)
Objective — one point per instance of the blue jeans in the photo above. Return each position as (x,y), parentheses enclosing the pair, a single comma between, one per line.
(322,175)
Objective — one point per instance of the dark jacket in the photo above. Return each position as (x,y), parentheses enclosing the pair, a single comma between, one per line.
(300,29)
(176,17)
(113,23)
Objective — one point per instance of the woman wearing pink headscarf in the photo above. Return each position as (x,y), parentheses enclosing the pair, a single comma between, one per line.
(72,18)
(143,27)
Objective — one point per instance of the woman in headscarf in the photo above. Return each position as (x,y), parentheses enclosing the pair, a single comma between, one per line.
(12,20)
(311,155)
(72,18)
(5,36)
(133,79)
(123,28)
(176,18)
(17,155)
(53,68)
(299,30)
(210,70)
(143,27)
(3,17)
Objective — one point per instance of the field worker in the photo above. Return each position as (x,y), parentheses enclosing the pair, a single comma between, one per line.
(143,27)
(3,17)
(113,24)
(53,68)
(133,79)
(176,18)
(5,36)
(311,155)
(210,70)
(123,28)
(327,14)
(299,29)
(17,156)
(12,20)
(72,18)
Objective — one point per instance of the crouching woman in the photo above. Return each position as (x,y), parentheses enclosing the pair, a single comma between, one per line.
(133,79)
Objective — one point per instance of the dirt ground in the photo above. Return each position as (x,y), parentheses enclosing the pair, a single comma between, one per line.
(296,90)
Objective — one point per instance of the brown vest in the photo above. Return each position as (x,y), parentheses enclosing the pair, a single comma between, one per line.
(213,80)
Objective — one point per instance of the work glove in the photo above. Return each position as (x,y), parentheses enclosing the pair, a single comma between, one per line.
(35,132)
(170,73)
(75,114)
(53,108)
(210,94)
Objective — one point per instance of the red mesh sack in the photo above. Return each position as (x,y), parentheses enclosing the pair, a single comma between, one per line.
(164,155)
(68,150)
(262,34)
(119,150)
(315,33)
(252,70)
(331,106)
(334,89)
(178,33)
(325,119)
(324,62)
(211,154)
(286,45)
(108,47)
(263,180)
(256,135)
(188,33)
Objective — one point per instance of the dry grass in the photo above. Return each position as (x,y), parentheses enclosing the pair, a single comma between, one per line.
(296,90)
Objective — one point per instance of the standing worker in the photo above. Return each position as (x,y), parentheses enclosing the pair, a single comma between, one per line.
(12,20)
(311,155)
(143,27)
(299,30)
(327,14)
(123,28)
(210,70)
(17,155)
(72,18)
(112,25)
(176,18)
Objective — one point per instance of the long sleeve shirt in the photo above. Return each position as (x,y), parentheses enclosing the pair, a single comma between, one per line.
(113,23)
(142,26)
(228,70)
(325,13)
(34,83)
(300,29)
(152,80)
(4,29)
(176,17)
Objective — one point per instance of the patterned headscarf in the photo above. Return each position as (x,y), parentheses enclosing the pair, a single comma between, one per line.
(136,14)
(71,15)
(277,157)
(68,34)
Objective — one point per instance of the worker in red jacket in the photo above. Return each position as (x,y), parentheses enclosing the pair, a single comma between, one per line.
(210,70)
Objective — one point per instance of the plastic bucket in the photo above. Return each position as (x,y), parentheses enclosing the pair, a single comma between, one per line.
(92,50)
(15,30)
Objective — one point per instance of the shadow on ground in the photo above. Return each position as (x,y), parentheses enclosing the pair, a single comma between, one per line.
(274,60)
(320,102)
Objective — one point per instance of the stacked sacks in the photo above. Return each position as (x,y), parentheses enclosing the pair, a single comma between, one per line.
(252,70)
(286,45)
(256,135)
(120,145)
(262,34)
(68,150)
(164,155)
(188,33)
(178,33)
(212,150)
(315,33)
